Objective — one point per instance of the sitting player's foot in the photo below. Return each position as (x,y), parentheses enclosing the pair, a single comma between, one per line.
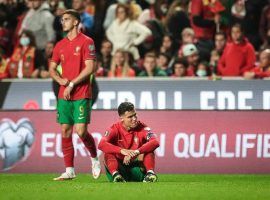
(65,176)
(118,178)
(150,177)
(96,168)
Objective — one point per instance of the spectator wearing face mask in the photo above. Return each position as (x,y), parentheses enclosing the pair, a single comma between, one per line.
(203,69)
(22,63)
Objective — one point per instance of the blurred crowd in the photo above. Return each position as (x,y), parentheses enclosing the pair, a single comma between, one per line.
(142,38)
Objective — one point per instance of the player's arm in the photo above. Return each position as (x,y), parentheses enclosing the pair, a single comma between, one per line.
(56,76)
(106,143)
(89,69)
(150,145)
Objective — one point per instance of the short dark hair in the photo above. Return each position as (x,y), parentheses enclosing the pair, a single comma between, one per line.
(124,107)
(74,13)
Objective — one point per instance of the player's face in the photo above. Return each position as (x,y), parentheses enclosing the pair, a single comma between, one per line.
(129,119)
(68,22)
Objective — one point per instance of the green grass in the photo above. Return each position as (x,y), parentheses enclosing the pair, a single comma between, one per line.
(182,187)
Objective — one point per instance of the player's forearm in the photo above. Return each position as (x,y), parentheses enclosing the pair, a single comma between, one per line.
(55,75)
(149,146)
(85,74)
(108,147)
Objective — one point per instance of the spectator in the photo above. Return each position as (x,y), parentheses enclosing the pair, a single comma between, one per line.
(262,70)
(106,54)
(220,42)
(188,37)
(179,68)
(191,54)
(167,45)
(120,66)
(202,69)
(44,59)
(111,11)
(87,20)
(204,22)
(150,66)
(238,56)
(154,12)
(125,33)
(3,67)
(163,63)
(22,63)
(177,18)
(264,28)
(39,20)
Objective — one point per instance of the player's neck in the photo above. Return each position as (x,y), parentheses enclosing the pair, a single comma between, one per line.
(72,33)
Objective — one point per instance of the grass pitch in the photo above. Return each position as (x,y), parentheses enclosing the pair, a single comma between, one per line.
(41,186)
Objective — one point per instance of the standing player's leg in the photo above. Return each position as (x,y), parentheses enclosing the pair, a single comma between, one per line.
(81,115)
(64,117)
(90,145)
(68,153)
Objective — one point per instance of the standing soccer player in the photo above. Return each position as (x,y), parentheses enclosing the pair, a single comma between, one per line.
(76,54)
(128,148)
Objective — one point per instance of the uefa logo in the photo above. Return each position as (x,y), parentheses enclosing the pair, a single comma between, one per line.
(16,140)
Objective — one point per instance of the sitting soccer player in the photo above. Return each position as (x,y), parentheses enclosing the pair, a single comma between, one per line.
(128,148)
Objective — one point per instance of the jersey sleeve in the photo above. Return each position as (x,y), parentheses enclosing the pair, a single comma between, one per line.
(56,55)
(89,50)
(151,141)
(108,142)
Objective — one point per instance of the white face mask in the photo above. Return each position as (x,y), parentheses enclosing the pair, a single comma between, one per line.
(201,73)
(24,41)
(151,1)
(122,1)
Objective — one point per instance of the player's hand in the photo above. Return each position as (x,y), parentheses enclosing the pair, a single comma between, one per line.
(125,152)
(126,160)
(67,92)
(64,81)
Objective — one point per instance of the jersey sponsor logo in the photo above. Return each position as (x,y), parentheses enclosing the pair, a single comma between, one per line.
(77,51)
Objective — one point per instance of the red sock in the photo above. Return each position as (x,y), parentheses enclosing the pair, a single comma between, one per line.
(68,151)
(149,161)
(89,143)
(111,162)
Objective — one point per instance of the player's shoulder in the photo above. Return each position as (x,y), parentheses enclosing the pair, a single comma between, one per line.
(86,38)
(61,42)
(143,127)
(115,126)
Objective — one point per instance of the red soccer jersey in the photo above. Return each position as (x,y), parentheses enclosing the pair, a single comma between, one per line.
(72,56)
(117,138)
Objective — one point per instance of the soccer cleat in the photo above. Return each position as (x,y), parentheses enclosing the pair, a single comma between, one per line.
(96,168)
(118,178)
(65,176)
(150,177)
